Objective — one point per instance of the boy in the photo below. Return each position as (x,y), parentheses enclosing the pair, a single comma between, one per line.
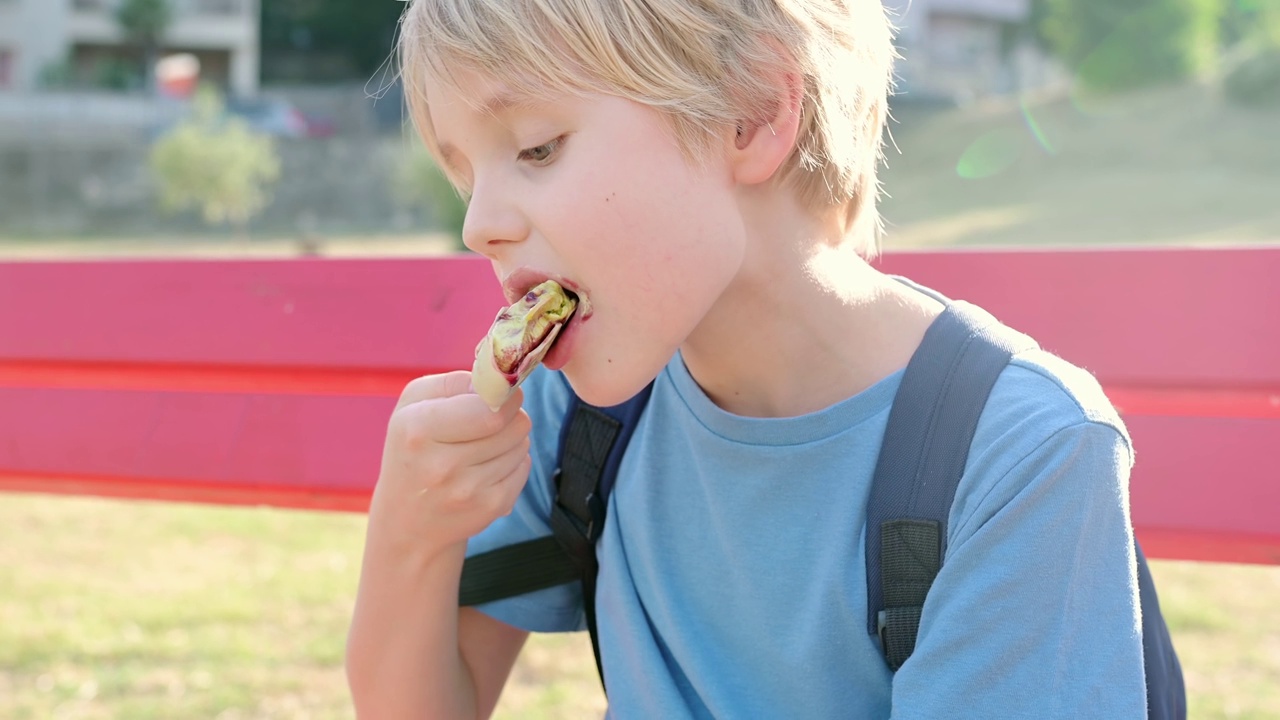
(702,174)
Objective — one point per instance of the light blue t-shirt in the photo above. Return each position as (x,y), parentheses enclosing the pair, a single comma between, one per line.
(732,575)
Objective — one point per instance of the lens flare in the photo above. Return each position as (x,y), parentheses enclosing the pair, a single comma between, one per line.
(1036,131)
(993,152)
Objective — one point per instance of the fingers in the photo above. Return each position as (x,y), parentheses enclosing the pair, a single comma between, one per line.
(509,472)
(466,418)
(451,464)
(512,437)
(500,467)
(427,387)
(508,489)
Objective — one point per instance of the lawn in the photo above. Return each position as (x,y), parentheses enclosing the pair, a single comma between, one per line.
(1173,166)
(112,609)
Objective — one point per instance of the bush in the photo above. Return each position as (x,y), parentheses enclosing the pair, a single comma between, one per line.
(216,164)
(1125,44)
(56,75)
(1256,80)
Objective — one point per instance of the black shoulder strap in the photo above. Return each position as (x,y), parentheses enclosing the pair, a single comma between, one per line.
(922,457)
(592,442)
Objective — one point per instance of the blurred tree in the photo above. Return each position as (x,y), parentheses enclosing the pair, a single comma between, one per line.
(215,163)
(1253,62)
(354,38)
(145,22)
(116,74)
(1252,21)
(1037,13)
(1123,44)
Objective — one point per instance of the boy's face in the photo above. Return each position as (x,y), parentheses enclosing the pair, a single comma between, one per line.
(596,193)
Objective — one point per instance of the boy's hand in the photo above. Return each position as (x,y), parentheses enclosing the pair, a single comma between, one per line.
(450,465)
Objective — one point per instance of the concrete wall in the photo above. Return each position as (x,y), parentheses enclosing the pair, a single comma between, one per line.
(62,184)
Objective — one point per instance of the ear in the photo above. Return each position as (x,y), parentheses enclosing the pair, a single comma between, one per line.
(762,142)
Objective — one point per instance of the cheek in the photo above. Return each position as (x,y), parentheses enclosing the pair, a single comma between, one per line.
(666,263)
(655,220)
(655,240)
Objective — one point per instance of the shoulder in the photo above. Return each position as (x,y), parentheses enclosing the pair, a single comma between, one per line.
(1048,433)
(1039,395)
(1074,387)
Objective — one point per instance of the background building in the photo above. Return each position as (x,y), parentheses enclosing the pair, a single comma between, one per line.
(963,49)
(40,38)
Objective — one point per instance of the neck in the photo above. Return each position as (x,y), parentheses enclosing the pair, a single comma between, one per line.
(804,325)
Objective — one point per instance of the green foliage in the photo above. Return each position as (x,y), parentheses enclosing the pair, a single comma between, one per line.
(360,33)
(1124,44)
(420,183)
(144,21)
(56,75)
(216,164)
(1252,22)
(116,74)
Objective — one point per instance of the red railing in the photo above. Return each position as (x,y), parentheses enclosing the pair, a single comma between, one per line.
(270,381)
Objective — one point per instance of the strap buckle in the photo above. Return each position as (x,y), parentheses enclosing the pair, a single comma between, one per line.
(590,526)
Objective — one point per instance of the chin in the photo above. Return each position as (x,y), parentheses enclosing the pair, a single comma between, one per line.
(604,390)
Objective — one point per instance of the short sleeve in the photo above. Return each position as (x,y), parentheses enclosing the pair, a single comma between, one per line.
(557,609)
(1035,612)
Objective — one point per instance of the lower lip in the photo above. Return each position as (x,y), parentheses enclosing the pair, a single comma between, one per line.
(559,354)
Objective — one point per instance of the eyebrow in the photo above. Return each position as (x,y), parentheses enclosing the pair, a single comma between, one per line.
(500,104)
(507,100)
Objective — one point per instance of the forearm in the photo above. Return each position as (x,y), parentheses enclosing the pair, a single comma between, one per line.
(403,659)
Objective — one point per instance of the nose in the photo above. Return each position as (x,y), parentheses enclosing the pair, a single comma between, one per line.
(493,222)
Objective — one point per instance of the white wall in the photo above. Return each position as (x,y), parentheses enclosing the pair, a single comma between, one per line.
(35,31)
(40,32)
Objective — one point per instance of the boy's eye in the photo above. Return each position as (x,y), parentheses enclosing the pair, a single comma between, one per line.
(542,153)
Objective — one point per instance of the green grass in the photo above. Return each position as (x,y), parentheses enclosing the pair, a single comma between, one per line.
(113,609)
(1173,166)
(1225,621)
(138,610)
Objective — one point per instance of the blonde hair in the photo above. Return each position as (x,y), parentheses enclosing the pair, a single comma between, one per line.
(707,64)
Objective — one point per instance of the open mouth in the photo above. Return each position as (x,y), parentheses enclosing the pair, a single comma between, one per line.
(519,339)
(523,332)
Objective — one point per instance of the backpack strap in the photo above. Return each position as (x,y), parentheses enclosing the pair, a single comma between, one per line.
(592,442)
(1166,691)
(931,425)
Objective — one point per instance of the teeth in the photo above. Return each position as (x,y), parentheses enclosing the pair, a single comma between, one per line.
(517,341)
